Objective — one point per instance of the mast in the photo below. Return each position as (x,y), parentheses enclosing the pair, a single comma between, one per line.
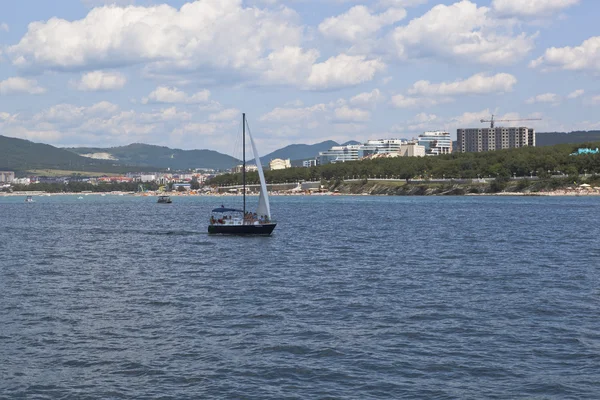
(244,158)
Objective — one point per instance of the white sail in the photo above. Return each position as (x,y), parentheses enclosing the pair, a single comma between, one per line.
(263,200)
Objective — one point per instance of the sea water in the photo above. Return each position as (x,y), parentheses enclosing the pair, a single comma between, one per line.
(351,297)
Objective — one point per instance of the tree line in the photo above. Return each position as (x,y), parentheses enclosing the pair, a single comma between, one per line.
(522,162)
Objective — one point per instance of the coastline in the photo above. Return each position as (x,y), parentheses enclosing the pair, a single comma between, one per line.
(558,192)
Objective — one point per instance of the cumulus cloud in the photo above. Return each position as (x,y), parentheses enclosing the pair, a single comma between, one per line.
(367,99)
(347,114)
(551,98)
(18,85)
(575,94)
(530,8)
(100,81)
(476,84)
(266,45)
(229,114)
(401,101)
(164,94)
(460,31)
(585,57)
(97,124)
(197,34)
(4,27)
(291,114)
(358,23)
(343,70)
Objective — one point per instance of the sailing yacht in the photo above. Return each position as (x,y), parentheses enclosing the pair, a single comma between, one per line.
(234,221)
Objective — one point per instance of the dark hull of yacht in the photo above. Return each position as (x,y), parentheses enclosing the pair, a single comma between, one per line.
(264,229)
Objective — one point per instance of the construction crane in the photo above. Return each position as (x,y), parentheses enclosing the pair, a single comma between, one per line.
(492,120)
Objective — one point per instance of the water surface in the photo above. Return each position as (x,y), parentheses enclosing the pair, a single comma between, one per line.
(352,297)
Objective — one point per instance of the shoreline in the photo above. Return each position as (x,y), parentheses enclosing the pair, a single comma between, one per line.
(561,193)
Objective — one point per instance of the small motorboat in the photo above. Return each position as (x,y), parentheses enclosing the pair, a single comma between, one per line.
(164,200)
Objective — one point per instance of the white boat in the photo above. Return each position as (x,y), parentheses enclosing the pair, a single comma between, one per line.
(29,199)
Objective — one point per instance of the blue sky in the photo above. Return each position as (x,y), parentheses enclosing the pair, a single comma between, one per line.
(179,73)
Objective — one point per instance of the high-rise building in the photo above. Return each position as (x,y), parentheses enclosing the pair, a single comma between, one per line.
(486,139)
(7,176)
(436,143)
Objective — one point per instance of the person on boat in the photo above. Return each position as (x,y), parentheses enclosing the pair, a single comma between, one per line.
(212,220)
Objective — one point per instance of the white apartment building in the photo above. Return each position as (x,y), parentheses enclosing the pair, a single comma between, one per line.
(380,146)
(436,142)
(339,154)
(7,176)
(279,163)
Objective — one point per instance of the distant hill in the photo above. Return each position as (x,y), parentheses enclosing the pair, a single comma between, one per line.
(22,155)
(552,138)
(140,154)
(301,151)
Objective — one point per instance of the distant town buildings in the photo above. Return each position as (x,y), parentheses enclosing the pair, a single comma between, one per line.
(249,168)
(436,142)
(380,146)
(7,176)
(279,163)
(339,154)
(487,139)
(412,149)
(431,143)
(309,163)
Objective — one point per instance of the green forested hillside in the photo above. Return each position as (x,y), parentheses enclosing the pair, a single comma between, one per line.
(23,155)
(163,157)
(527,161)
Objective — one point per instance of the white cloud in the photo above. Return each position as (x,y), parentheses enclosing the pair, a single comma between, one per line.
(460,31)
(594,100)
(198,34)
(530,8)
(367,99)
(265,47)
(98,124)
(4,27)
(469,119)
(575,94)
(551,98)
(343,70)
(18,85)
(358,23)
(229,114)
(347,114)
(280,114)
(100,81)
(476,84)
(164,94)
(579,58)
(401,101)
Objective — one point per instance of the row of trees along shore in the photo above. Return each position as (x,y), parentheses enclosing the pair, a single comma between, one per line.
(522,162)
